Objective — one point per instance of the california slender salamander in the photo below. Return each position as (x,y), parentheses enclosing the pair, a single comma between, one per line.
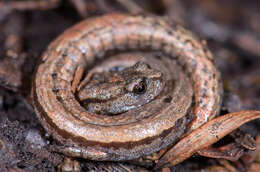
(180,108)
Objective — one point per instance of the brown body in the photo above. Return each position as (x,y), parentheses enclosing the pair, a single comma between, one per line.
(191,96)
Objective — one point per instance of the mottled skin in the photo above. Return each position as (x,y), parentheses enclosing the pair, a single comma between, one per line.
(191,95)
(119,91)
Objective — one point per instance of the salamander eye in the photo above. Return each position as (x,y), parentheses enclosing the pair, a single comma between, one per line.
(140,88)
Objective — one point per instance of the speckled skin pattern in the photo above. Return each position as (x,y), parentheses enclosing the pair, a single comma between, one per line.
(191,96)
(120,90)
